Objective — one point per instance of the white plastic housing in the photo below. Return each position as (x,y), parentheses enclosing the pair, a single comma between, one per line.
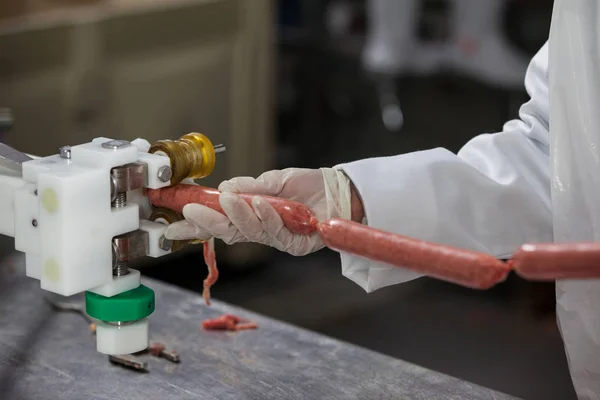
(10,182)
(60,214)
(119,284)
(126,339)
(155,231)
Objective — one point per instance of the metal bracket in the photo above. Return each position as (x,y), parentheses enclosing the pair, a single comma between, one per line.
(12,159)
(127,177)
(130,246)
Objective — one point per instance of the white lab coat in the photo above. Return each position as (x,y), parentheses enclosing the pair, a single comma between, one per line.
(532,182)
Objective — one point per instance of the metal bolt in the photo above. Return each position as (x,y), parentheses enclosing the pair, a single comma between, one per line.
(164,243)
(160,350)
(65,152)
(116,144)
(165,173)
(119,201)
(129,361)
(121,268)
(219,148)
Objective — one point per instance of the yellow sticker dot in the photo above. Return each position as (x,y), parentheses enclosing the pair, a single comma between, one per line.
(50,200)
(52,271)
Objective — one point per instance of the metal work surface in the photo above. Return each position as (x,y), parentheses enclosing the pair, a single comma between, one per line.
(45,354)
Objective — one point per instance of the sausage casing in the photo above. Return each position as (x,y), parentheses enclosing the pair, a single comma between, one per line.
(552,261)
(466,268)
(296,217)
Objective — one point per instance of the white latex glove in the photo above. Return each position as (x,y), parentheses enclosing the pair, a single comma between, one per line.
(326,191)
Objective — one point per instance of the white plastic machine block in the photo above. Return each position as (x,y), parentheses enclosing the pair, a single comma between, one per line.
(76,222)
(154,163)
(33,266)
(66,229)
(59,211)
(27,232)
(10,181)
(77,225)
(94,155)
(119,284)
(142,144)
(155,231)
(138,197)
(124,339)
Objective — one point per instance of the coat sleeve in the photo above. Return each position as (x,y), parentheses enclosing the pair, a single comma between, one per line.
(493,196)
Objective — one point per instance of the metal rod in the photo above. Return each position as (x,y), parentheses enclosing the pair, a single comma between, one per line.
(128,361)
(219,148)
(11,158)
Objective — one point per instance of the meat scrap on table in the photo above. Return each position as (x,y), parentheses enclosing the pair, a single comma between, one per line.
(228,322)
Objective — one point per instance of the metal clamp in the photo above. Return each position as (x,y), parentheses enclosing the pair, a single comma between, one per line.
(126,178)
(128,247)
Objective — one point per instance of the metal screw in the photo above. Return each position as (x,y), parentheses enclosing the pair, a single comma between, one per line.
(165,173)
(34,223)
(121,268)
(164,243)
(219,148)
(65,152)
(120,200)
(116,144)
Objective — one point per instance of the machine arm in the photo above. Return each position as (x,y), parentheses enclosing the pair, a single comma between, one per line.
(81,215)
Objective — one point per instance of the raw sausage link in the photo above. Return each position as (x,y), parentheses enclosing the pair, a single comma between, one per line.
(297,217)
(466,268)
(551,261)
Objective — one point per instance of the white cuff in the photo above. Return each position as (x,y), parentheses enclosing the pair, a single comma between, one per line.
(389,206)
(337,193)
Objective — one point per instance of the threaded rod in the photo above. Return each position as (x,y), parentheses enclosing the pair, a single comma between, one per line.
(120,200)
(121,268)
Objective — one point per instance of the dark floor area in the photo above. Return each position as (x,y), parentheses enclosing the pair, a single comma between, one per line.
(496,338)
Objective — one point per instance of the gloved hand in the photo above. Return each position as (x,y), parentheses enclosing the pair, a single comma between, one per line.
(326,191)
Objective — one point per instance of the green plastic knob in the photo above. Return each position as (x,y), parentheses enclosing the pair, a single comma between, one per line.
(128,306)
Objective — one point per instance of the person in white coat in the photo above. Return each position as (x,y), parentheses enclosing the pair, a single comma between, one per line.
(531,182)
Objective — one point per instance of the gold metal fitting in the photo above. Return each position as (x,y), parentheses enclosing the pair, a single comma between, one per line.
(168,217)
(192,156)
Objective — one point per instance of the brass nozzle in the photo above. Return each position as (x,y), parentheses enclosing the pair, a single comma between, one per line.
(192,156)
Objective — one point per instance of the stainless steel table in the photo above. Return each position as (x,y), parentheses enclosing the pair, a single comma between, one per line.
(50,355)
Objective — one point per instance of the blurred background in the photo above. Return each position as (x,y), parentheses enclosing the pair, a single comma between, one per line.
(304,83)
